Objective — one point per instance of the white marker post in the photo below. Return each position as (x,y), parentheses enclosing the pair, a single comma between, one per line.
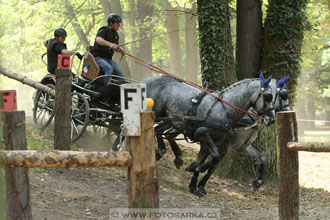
(133,102)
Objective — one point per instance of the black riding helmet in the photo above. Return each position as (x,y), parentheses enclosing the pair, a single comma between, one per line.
(114,18)
(60,32)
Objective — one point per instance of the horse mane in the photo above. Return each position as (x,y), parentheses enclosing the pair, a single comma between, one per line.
(235,84)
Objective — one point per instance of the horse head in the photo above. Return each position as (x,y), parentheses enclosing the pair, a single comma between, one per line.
(264,102)
(281,101)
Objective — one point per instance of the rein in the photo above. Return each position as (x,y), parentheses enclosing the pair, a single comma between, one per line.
(157,69)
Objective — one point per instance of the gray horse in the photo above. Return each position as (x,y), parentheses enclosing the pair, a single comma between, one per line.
(242,136)
(211,119)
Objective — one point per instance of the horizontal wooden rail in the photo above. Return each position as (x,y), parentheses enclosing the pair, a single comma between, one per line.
(63,159)
(309,146)
(27,81)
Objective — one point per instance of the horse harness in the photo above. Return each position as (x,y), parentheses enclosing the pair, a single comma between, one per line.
(193,121)
(281,94)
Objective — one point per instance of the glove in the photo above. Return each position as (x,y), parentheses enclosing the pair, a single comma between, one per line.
(79,56)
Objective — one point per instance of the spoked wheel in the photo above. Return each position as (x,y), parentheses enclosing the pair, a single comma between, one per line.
(79,115)
(43,110)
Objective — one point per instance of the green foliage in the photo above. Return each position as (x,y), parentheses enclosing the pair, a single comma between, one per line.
(24,25)
(284,27)
(215,44)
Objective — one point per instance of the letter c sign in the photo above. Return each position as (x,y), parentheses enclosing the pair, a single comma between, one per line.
(63,61)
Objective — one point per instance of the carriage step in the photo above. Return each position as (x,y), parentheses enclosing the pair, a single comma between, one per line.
(91,93)
(99,110)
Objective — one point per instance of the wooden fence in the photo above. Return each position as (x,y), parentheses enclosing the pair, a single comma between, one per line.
(140,160)
(288,147)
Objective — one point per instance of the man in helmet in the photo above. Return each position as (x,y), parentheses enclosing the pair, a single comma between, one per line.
(56,46)
(106,42)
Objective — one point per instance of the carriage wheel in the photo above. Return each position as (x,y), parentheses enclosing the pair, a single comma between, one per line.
(43,110)
(79,115)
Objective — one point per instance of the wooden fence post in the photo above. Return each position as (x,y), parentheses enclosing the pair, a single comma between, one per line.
(17,203)
(288,166)
(142,174)
(62,130)
(2,171)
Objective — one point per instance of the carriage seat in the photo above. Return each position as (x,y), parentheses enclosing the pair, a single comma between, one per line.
(91,69)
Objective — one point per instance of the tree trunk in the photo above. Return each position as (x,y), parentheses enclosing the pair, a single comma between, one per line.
(77,28)
(237,166)
(144,16)
(249,38)
(248,53)
(300,108)
(117,9)
(281,43)
(106,8)
(172,27)
(283,38)
(192,67)
(216,49)
(310,113)
(134,32)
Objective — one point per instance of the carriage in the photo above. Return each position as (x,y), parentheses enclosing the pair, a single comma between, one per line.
(92,104)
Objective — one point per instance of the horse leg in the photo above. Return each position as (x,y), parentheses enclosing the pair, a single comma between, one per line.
(193,183)
(201,185)
(205,139)
(201,157)
(260,163)
(161,148)
(170,136)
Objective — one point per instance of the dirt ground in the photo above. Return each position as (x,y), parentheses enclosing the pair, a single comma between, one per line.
(77,194)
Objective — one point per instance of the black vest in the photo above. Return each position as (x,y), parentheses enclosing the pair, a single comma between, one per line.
(107,34)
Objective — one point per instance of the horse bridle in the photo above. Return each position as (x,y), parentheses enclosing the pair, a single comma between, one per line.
(281,94)
(268,97)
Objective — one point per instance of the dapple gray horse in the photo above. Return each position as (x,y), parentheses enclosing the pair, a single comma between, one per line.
(213,118)
(244,134)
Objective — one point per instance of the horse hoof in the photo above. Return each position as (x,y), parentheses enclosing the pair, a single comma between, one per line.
(200,193)
(256,184)
(158,156)
(160,153)
(202,190)
(192,167)
(192,190)
(178,163)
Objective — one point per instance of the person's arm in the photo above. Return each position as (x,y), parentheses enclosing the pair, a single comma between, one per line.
(46,43)
(67,52)
(103,42)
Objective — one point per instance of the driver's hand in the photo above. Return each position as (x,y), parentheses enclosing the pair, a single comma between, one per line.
(119,50)
(116,47)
